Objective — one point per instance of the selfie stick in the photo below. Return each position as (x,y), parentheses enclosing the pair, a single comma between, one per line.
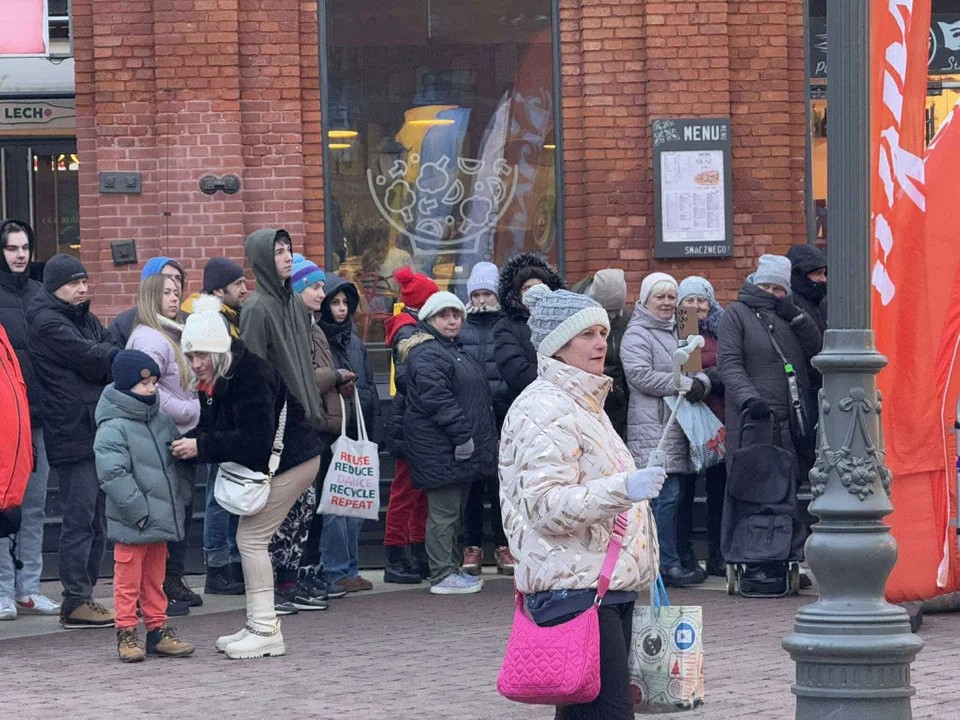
(680,357)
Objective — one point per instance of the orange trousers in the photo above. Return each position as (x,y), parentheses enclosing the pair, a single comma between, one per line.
(138,573)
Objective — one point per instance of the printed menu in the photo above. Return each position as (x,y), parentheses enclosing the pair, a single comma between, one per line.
(692,199)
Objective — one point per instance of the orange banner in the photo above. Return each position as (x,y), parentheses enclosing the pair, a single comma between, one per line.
(912,281)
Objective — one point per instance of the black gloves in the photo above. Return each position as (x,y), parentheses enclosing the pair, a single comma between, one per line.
(787,310)
(757,409)
(697,391)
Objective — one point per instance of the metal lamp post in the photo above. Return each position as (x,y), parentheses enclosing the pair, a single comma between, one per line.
(852,649)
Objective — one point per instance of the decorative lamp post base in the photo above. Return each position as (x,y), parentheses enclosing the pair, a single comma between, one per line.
(852,648)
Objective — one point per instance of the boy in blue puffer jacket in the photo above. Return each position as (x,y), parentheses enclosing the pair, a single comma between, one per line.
(146,499)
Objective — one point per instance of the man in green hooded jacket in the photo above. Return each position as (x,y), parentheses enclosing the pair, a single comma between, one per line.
(274,323)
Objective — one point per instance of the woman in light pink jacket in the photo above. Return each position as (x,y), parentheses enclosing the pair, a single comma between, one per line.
(157,333)
(565,475)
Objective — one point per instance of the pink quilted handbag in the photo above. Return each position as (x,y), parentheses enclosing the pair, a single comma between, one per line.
(558,665)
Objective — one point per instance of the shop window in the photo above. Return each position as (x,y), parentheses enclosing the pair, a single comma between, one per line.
(440,148)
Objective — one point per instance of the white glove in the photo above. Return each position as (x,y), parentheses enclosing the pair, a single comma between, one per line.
(645,484)
(464,451)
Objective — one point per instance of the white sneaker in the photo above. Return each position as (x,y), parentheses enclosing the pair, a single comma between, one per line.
(8,609)
(38,604)
(458,584)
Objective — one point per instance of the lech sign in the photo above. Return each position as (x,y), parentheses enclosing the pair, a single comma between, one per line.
(692,188)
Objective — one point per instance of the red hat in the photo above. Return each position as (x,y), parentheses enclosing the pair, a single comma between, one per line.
(415,288)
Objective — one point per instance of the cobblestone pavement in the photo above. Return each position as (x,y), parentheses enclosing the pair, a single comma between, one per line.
(401,654)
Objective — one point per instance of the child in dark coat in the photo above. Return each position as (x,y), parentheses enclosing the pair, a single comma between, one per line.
(450,433)
(340,539)
(146,499)
(477,336)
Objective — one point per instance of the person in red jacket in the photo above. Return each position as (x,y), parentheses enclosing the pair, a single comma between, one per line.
(16,443)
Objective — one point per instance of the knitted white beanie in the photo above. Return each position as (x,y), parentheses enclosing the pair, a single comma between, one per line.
(438,302)
(205,329)
(651,281)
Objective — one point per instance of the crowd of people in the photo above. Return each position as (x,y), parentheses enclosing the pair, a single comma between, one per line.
(537,400)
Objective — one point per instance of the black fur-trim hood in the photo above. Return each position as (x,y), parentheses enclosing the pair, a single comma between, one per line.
(510,301)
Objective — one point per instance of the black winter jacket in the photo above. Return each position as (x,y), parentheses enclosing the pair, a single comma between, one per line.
(447,403)
(238,422)
(349,353)
(477,338)
(618,400)
(750,367)
(122,326)
(72,356)
(16,293)
(515,356)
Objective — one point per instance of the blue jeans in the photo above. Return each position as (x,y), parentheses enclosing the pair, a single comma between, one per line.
(30,538)
(340,547)
(665,514)
(219,529)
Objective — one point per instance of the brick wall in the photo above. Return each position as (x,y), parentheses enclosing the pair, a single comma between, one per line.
(175,89)
(627,62)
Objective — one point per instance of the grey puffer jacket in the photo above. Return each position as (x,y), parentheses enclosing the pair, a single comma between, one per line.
(647,356)
(139,476)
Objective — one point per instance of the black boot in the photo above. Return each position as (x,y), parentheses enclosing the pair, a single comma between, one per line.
(396,570)
(689,561)
(679,577)
(420,560)
(220,582)
(177,590)
(716,565)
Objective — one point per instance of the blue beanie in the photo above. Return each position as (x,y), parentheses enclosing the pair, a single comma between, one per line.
(132,366)
(155,265)
(305,273)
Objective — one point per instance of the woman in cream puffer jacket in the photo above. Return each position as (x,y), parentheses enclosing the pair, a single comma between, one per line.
(556,435)
(565,476)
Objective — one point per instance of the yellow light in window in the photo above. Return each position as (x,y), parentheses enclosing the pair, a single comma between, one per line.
(339,146)
(430,122)
(549,147)
(342,134)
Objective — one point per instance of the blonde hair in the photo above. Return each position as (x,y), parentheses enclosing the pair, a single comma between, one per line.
(221,365)
(148,314)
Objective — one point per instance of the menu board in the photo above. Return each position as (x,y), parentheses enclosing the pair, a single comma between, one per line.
(692,183)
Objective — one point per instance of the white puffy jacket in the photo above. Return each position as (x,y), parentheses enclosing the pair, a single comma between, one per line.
(563,474)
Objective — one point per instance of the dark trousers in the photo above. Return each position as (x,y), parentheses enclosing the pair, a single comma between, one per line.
(615,701)
(488,489)
(83,531)
(716,478)
(177,557)
(716,483)
(311,552)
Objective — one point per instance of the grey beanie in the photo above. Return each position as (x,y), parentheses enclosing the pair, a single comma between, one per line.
(558,316)
(696,285)
(609,288)
(774,270)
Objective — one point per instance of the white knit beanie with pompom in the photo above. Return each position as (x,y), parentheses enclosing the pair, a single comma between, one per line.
(205,329)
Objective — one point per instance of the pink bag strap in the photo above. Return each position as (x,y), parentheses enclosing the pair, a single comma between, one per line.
(613,553)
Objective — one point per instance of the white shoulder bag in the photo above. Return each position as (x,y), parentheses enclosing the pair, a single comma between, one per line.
(243,491)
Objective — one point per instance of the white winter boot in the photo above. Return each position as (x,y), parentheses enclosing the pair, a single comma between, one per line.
(263,637)
(225,640)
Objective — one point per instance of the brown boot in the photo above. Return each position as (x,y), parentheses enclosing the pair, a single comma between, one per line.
(164,642)
(88,614)
(128,646)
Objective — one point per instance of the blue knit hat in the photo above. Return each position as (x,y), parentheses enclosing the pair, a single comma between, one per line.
(132,366)
(155,265)
(558,316)
(305,273)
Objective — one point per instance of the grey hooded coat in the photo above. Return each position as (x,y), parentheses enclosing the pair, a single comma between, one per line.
(139,476)
(647,356)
